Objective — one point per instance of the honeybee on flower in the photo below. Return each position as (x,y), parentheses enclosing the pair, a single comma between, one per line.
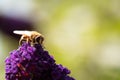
(32,37)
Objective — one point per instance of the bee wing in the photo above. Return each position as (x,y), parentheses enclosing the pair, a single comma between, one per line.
(20,32)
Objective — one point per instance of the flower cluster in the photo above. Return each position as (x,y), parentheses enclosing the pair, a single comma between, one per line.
(34,63)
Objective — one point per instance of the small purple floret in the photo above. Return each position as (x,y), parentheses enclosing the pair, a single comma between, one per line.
(34,63)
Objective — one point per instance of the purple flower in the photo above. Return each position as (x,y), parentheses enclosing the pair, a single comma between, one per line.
(34,63)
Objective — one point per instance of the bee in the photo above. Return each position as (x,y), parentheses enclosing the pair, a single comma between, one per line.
(32,37)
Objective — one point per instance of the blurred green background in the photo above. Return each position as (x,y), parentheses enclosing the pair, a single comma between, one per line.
(82,35)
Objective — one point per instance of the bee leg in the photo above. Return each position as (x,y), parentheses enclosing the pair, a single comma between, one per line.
(39,39)
(22,41)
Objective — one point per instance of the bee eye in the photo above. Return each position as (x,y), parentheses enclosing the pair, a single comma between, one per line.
(39,39)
